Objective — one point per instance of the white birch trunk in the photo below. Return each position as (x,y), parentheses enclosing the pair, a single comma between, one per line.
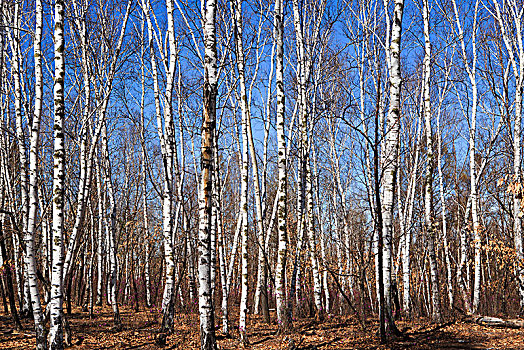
(244,231)
(30,261)
(428,191)
(100,251)
(322,238)
(16,57)
(513,41)
(443,214)
(207,328)
(245,100)
(244,173)
(111,229)
(406,247)
(56,335)
(225,294)
(317,286)
(471,71)
(447,253)
(167,148)
(145,228)
(191,262)
(228,275)
(474,195)
(280,273)
(390,162)
(262,274)
(90,289)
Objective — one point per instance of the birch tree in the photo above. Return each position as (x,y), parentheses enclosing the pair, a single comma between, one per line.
(391,145)
(509,19)
(111,230)
(56,335)
(471,69)
(16,65)
(428,186)
(304,67)
(205,301)
(29,256)
(166,134)
(280,278)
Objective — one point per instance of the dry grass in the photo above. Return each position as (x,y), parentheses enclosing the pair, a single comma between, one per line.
(140,331)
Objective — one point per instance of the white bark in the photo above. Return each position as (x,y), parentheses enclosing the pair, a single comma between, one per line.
(471,71)
(428,191)
(244,173)
(442,190)
(191,262)
(390,162)
(322,238)
(111,229)
(144,181)
(207,328)
(244,231)
(56,336)
(100,251)
(90,289)
(262,272)
(406,229)
(512,35)
(30,262)
(16,57)
(280,273)
(86,158)
(305,170)
(227,270)
(443,214)
(245,101)
(225,292)
(167,143)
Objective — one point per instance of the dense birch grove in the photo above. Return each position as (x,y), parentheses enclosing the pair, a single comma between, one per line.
(288,159)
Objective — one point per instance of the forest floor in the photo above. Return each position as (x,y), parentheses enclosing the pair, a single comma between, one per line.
(140,331)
